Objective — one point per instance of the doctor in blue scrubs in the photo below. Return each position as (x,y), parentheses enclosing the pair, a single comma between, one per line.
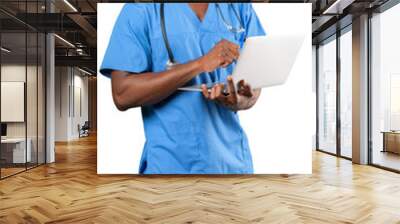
(156,48)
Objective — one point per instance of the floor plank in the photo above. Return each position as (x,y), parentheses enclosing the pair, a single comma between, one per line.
(70,191)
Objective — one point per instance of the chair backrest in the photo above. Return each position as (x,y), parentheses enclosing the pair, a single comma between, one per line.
(86,124)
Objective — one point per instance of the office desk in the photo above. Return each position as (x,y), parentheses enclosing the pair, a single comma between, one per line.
(391,141)
(13,150)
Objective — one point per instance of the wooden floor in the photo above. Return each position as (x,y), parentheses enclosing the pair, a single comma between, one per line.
(70,191)
(5,172)
(8,171)
(387,159)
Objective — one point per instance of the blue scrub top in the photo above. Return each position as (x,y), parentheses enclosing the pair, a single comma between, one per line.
(185,133)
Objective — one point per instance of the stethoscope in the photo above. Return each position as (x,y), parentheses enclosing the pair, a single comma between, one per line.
(171,60)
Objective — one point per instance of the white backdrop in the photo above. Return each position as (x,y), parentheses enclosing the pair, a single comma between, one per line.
(279,127)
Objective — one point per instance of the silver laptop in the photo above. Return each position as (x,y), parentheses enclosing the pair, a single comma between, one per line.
(264,61)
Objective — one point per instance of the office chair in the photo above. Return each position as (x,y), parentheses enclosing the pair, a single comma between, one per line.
(84,130)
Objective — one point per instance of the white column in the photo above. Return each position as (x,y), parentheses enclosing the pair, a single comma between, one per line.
(50,92)
(50,99)
(360,90)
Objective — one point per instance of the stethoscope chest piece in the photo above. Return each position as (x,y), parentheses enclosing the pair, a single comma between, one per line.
(170,64)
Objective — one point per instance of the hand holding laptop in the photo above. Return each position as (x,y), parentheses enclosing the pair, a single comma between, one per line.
(235,98)
(263,62)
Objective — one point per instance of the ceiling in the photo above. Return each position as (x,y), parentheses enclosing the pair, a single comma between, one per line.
(76,21)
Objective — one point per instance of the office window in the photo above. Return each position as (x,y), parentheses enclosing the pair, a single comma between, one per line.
(385,89)
(327,96)
(346,93)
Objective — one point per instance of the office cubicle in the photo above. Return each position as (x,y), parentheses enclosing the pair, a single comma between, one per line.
(22,77)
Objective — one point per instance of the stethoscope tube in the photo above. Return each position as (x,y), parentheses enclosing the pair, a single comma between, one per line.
(229,26)
(171,60)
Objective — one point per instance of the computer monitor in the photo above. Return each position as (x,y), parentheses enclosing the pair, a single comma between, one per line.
(3,129)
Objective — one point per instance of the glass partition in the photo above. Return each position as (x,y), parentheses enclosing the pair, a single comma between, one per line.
(385,89)
(13,105)
(327,96)
(31,100)
(346,94)
(22,90)
(41,96)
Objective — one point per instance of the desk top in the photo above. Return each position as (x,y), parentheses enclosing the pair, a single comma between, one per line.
(391,132)
(13,140)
